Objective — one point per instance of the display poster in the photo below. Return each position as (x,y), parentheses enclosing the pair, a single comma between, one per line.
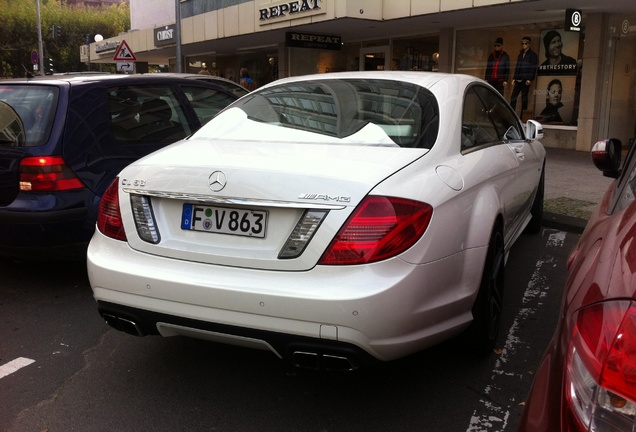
(556,77)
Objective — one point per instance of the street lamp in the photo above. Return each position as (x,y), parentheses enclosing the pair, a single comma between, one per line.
(97,38)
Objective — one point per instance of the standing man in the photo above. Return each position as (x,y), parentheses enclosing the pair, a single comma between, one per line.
(525,73)
(498,67)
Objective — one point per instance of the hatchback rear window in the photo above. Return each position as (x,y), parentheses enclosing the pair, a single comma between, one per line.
(36,105)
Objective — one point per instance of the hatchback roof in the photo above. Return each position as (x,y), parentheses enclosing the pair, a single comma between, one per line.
(81,78)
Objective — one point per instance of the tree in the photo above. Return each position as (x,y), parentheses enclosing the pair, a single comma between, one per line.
(19,32)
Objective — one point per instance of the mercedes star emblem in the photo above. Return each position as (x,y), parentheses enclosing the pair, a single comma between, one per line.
(217,181)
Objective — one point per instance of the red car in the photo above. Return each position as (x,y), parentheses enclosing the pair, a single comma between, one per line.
(587,378)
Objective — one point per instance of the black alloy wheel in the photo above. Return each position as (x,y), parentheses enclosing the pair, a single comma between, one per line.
(488,307)
(534,226)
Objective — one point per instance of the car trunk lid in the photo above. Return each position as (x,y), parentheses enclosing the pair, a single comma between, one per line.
(265,188)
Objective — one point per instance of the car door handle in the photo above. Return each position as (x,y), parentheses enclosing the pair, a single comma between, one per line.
(518,151)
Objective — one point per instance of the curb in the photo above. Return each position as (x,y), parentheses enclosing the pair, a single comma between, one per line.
(564,222)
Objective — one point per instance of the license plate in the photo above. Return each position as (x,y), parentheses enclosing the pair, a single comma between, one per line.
(224,220)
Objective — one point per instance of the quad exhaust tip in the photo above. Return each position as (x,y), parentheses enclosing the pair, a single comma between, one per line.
(123,324)
(319,361)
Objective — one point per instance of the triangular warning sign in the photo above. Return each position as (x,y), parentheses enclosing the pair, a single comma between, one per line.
(124,53)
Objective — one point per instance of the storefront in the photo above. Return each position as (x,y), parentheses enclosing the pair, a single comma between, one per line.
(581,80)
(618,100)
(582,85)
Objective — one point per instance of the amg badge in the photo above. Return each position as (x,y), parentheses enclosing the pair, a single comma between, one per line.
(324,197)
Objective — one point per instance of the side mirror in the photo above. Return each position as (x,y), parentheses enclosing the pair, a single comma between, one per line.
(606,155)
(534,130)
(12,132)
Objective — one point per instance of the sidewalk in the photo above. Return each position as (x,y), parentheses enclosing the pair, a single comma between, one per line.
(573,188)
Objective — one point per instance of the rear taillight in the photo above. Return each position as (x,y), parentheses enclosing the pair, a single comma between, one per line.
(47,174)
(379,228)
(109,221)
(600,384)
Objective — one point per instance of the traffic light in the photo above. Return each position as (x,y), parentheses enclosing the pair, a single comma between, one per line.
(56,31)
(48,66)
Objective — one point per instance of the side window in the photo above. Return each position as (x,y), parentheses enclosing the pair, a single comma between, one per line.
(206,102)
(477,127)
(504,119)
(146,114)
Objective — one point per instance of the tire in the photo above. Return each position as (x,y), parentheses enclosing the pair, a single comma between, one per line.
(488,308)
(534,226)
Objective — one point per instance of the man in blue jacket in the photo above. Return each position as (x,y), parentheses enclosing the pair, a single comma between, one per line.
(525,73)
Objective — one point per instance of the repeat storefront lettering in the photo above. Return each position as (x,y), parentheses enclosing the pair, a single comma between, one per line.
(289,8)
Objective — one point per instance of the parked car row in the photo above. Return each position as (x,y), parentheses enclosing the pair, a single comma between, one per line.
(335,220)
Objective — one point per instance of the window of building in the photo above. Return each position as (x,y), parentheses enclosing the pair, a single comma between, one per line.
(552,67)
(415,53)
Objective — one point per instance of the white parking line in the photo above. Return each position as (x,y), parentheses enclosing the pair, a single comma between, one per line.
(14,365)
(491,417)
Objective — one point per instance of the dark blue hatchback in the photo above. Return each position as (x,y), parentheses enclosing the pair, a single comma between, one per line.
(77,133)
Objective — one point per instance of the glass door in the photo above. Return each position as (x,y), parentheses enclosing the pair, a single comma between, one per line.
(619,114)
(375,58)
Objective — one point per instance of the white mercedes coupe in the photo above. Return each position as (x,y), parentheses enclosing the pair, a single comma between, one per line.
(333,219)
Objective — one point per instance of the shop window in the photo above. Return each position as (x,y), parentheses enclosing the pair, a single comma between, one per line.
(418,54)
(553,93)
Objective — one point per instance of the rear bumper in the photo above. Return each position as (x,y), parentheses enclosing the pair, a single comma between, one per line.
(387,310)
(46,226)
(302,351)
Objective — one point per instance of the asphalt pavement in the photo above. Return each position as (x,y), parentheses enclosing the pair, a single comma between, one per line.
(573,188)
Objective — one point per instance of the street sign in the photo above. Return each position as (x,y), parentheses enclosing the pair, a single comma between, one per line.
(126,67)
(124,53)
(35,57)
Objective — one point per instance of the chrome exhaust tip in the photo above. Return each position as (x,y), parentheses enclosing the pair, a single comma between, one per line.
(123,324)
(326,362)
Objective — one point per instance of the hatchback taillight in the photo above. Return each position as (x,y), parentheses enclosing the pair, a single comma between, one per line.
(379,228)
(600,384)
(47,174)
(109,221)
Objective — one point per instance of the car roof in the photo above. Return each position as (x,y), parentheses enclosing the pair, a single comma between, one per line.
(210,78)
(198,76)
(98,78)
(424,79)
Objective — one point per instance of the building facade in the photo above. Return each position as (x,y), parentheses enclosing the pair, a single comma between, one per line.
(581,86)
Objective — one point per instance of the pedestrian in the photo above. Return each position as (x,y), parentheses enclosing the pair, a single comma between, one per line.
(498,67)
(525,73)
(246,80)
(204,69)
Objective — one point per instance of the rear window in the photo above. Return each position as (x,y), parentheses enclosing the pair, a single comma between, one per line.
(206,102)
(36,105)
(365,112)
